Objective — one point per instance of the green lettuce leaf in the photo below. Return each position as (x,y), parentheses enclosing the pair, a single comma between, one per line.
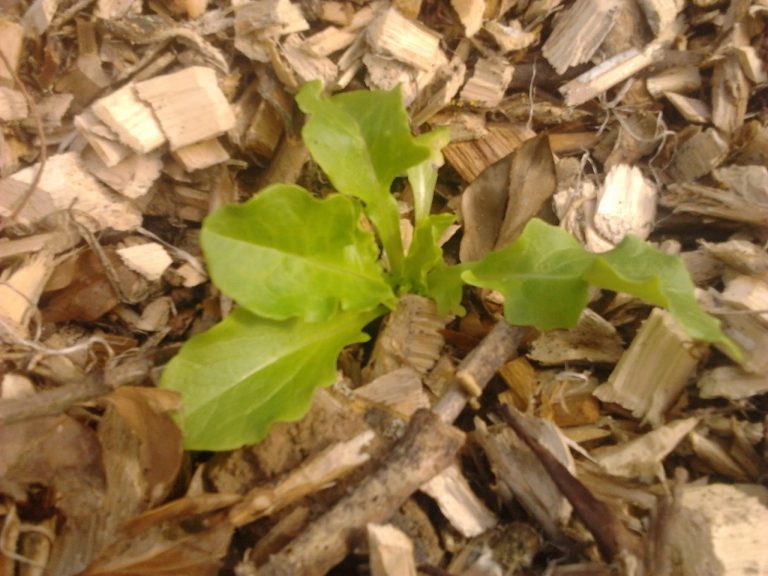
(425,252)
(540,275)
(637,268)
(284,253)
(445,286)
(248,372)
(362,141)
(423,176)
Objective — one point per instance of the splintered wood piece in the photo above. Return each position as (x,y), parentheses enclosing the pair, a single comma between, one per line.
(522,477)
(698,156)
(393,35)
(714,454)
(751,335)
(400,390)
(130,118)
(748,182)
(391,551)
(132,177)
(470,158)
(189,105)
(305,64)
(261,22)
(104,141)
(458,503)
(608,74)
(680,80)
(428,446)
(200,155)
(751,63)
(692,109)
(411,337)
(488,83)
(13,105)
(578,33)
(719,530)
(439,93)
(11,40)
(643,456)
(20,290)
(520,377)
(730,94)
(661,14)
(470,14)
(731,382)
(593,339)
(329,40)
(511,37)
(627,205)
(39,16)
(263,133)
(315,473)
(654,370)
(743,256)
(747,292)
(150,259)
(715,202)
(116,9)
(384,73)
(66,183)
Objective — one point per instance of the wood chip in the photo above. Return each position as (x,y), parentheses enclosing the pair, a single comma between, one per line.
(189,105)
(13,106)
(131,119)
(458,503)
(643,456)
(391,551)
(679,80)
(201,155)
(698,156)
(719,530)
(393,35)
(400,390)
(150,259)
(470,14)
(20,289)
(66,183)
(645,382)
(594,339)
(488,83)
(11,39)
(578,33)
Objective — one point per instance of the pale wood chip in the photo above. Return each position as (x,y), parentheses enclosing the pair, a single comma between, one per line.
(393,35)
(643,456)
(578,33)
(654,370)
(11,41)
(391,551)
(131,119)
(13,105)
(720,530)
(150,259)
(458,503)
(189,105)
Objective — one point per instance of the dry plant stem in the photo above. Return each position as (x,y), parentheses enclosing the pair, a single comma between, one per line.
(51,402)
(612,537)
(43,144)
(479,366)
(427,447)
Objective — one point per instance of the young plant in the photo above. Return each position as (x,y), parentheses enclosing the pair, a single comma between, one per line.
(308,274)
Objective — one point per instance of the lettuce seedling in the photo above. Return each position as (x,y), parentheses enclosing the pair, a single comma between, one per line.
(309,274)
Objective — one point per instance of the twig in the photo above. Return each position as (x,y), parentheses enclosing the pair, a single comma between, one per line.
(22,202)
(50,402)
(427,447)
(612,537)
(476,370)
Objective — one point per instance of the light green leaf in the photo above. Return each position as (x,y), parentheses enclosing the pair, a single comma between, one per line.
(362,141)
(540,275)
(423,176)
(425,253)
(248,372)
(284,253)
(445,286)
(635,267)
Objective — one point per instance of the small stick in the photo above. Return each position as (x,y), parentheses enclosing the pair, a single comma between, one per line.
(51,402)
(612,537)
(477,369)
(43,145)
(428,446)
